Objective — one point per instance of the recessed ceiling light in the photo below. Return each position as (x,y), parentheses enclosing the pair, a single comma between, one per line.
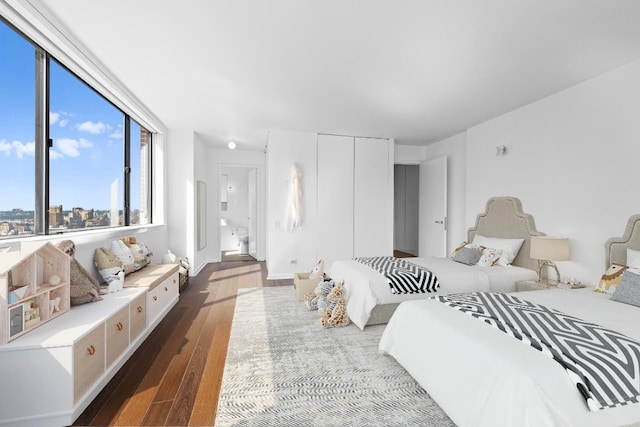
(232,145)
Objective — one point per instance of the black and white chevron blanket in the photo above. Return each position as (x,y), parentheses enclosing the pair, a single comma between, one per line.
(403,277)
(603,364)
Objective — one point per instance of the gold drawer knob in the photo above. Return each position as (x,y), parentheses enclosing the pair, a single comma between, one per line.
(139,308)
(91,350)
(119,326)
(155,298)
(166,289)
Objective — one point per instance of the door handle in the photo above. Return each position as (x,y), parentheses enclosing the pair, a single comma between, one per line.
(439,222)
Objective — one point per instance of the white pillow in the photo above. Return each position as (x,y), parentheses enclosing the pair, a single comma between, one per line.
(633,258)
(509,247)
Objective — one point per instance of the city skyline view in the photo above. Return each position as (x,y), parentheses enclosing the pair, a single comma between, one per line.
(86,158)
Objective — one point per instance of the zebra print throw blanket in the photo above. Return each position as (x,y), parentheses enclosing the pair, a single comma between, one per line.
(402,276)
(603,364)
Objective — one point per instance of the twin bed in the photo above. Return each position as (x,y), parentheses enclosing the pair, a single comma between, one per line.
(370,301)
(481,376)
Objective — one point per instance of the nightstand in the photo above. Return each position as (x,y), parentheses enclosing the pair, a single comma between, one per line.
(533,285)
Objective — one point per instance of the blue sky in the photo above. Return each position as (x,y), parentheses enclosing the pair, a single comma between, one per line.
(87,153)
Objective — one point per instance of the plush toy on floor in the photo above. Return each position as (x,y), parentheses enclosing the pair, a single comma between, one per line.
(319,297)
(338,315)
(83,287)
(318,271)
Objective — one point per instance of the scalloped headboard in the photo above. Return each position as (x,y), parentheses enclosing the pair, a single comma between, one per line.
(615,248)
(503,217)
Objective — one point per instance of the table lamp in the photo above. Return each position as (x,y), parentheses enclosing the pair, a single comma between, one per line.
(549,249)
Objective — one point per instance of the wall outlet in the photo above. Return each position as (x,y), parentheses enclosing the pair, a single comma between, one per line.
(293,261)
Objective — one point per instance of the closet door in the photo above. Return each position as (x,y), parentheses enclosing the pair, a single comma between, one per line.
(373,197)
(334,236)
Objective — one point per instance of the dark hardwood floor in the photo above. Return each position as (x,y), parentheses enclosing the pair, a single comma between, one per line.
(174,377)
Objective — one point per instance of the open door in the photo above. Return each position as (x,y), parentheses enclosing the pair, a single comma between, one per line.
(433,208)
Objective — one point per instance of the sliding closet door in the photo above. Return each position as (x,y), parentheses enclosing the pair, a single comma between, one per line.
(373,197)
(334,237)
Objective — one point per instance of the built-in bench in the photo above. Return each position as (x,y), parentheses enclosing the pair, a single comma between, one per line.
(50,375)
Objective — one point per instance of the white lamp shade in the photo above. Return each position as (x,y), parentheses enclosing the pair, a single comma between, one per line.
(550,248)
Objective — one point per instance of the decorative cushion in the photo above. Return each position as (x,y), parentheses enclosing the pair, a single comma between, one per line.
(508,248)
(490,257)
(108,265)
(610,279)
(633,258)
(460,246)
(467,255)
(628,291)
(122,252)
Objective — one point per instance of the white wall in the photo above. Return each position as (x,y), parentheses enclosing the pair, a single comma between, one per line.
(573,162)
(180,148)
(290,251)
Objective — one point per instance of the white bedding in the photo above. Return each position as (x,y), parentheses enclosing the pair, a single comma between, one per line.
(367,288)
(480,376)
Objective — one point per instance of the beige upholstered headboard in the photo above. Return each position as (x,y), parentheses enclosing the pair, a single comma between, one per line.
(503,217)
(615,248)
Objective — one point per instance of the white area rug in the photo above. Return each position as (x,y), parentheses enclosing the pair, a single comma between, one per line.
(283,369)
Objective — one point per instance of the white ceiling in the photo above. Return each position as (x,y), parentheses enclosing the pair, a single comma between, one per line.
(413,70)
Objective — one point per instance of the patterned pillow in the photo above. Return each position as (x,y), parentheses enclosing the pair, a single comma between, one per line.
(490,257)
(610,279)
(467,255)
(628,291)
(123,253)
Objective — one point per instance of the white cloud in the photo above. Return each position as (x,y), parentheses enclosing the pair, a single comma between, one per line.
(71,147)
(54,155)
(91,127)
(5,147)
(59,118)
(22,149)
(116,134)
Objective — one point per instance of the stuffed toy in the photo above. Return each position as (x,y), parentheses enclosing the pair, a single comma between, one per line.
(318,271)
(122,252)
(140,252)
(320,293)
(84,287)
(338,315)
(110,268)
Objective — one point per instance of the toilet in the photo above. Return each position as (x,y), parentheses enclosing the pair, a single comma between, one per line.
(243,239)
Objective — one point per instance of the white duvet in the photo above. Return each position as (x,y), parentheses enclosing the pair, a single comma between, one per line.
(367,288)
(480,376)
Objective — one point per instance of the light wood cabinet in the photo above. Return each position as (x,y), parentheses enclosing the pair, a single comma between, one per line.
(88,361)
(72,357)
(137,317)
(117,334)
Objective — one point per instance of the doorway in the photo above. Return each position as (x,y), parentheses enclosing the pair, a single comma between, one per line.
(406,196)
(238,212)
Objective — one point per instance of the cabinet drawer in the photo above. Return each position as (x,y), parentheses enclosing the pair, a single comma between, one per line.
(160,296)
(88,361)
(117,334)
(137,316)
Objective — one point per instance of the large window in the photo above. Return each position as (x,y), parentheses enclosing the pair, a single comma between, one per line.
(87,165)
(17,134)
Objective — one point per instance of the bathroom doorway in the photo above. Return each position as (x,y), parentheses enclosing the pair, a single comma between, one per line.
(238,212)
